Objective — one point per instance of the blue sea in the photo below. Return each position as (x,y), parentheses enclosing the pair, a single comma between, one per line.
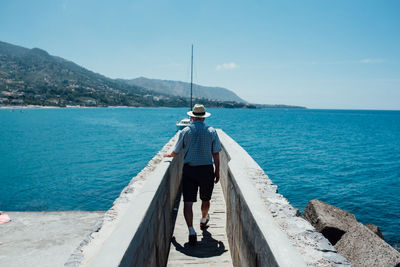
(80,159)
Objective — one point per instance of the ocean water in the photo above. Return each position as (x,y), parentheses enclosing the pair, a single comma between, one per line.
(80,159)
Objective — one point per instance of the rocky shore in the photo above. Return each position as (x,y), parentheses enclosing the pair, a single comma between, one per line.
(362,245)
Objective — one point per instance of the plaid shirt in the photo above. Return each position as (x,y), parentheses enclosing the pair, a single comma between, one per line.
(199,142)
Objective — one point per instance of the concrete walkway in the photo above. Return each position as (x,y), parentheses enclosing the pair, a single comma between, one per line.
(212,247)
(43,238)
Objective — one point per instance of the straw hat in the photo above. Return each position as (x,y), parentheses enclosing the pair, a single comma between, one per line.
(199,111)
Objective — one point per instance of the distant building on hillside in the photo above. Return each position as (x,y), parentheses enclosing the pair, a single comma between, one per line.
(17,101)
(90,102)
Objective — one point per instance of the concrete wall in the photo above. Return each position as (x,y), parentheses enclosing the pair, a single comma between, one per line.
(263,228)
(254,239)
(137,230)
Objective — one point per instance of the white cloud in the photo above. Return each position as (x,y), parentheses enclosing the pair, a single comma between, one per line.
(227,66)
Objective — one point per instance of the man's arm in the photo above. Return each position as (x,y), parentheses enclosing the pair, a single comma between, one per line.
(178,146)
(216,163)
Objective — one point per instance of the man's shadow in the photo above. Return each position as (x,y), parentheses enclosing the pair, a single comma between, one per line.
(205,248)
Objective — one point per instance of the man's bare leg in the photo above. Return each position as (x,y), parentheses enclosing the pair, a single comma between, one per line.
(205,206)
(188,213)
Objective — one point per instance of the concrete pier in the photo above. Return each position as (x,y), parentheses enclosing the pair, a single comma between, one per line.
(212,248)
(255,226)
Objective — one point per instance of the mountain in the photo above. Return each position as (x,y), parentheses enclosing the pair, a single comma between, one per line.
(33,77)
(176,88)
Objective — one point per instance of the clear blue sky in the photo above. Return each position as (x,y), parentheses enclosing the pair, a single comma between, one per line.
(319,54)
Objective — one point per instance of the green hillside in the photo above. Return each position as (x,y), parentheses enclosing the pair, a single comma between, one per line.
(33,77)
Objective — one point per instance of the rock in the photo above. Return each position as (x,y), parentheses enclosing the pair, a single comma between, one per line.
(362,247)
(375,229)
(330,221)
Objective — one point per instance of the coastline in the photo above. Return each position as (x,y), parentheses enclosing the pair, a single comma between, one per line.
(57,107)
(256,106)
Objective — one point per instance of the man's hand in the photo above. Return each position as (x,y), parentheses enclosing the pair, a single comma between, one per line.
(216,175)
(173,154)
(216,163)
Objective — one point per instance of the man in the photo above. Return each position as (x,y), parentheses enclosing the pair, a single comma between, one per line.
(201,146)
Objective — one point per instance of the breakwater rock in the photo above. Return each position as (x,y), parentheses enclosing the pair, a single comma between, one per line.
(361,245)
